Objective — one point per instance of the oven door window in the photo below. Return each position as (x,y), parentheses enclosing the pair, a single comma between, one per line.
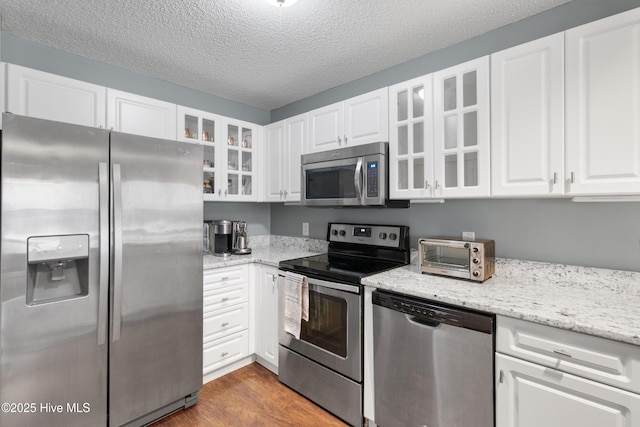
(327,324)
(335,182)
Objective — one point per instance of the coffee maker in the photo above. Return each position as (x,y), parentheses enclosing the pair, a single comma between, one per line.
(220,237)
(240,238)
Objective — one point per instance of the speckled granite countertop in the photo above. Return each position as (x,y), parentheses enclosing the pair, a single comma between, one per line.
(269,250)
(595,301)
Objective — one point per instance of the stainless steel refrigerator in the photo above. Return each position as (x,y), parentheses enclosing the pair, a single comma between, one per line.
(101,275)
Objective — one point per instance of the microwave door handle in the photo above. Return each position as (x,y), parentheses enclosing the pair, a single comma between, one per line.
(357,180)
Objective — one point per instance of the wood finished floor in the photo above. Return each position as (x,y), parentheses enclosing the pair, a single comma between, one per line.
(250,396)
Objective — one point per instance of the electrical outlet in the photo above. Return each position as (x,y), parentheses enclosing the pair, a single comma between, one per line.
(468,235)
(305,228)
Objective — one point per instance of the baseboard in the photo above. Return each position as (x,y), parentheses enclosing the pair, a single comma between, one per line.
(228,368)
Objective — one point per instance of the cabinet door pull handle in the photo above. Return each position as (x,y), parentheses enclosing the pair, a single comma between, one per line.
(224,353)
(285,194)
(225,278)
(345,140)
(224,299)
(339,141)
(225,193)
(501,379)
(437,185)
(225,324)
(426,185)
(562,352)
(219,192)
(281,194)
(573,178)
(555,177)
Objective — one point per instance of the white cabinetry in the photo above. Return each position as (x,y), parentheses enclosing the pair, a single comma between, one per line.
(603,106)
(527,119)
(552,377)
(139,115)
(226,318)
(48,96)
(411,139)
(461,130)
(356,121)
(239,152)
(203,128)
(266,305)
(285,141)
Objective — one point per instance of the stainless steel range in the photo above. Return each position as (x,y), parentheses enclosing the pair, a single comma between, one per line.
(326,363)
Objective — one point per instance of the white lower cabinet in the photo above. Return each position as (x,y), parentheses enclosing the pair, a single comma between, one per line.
(552,377)
(266,306)
(226,319)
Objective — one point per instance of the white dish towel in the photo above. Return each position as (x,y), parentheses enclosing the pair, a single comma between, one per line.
(296,302)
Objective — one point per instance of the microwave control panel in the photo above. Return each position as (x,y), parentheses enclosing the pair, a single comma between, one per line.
(372,179)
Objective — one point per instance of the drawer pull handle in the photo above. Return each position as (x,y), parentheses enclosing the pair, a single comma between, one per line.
(225,278)
(225,299)
(225,324)
(562,352)
(224,354)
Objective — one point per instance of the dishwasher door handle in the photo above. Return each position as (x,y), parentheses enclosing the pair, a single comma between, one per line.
(422,321)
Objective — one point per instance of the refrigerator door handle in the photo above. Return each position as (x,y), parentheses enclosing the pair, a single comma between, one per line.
(103,291)
(117,252)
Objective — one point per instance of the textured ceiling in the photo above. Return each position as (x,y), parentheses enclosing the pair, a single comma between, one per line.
(252,52)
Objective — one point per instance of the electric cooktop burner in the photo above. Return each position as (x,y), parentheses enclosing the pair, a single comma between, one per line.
(355,251)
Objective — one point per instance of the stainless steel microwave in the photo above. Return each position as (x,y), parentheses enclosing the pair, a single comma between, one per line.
(349,176)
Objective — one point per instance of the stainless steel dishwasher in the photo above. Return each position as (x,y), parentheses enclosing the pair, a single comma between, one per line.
(433,364)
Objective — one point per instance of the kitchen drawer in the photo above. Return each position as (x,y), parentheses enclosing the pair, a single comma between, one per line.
(226,321)
(224,277)
(225,350)
(226,297)
(600,359)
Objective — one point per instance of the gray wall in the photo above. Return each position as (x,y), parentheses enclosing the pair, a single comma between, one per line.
(257,215)
(572,14)
(33,55)
(605,235)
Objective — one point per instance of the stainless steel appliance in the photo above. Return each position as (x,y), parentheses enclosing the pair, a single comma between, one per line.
(465,259)
(240,238)
(350,176)
(433,363)
(101,276)
(221,237)
(325,364)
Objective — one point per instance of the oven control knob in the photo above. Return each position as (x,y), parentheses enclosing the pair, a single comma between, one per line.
(393,236)
(343,233)
(334,232)
(476,261)
(475,250)
(382,236)
(476,273)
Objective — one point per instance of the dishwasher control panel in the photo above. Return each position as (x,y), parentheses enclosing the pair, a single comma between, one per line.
(434,313)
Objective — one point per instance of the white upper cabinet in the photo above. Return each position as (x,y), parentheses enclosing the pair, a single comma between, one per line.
(48,96)
(461,130)
(411,139)
(139,115)
(356,121)
(603,106)
(284,141)
(240,155)
(527,119)
(200,127)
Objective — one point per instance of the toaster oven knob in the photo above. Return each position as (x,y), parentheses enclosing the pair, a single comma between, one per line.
(475,250)
(393,236)
(476,261)
(476,273)
(382,236)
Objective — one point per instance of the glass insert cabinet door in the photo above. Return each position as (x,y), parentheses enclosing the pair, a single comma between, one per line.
(240,155)
(461,130)
(201,127)
(411,138)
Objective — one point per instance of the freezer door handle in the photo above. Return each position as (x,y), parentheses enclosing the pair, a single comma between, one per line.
(117,252)
(103,290)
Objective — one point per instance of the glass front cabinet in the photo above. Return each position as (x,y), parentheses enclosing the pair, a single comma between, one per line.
(461,130)
(228,154)
(411,139)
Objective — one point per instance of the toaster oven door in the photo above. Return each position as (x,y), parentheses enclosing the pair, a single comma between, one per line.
(450,258)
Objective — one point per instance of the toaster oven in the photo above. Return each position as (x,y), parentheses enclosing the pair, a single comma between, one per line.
(464,259)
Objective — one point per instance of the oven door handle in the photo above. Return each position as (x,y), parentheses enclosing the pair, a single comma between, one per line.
(447,244)
(354,289)
(358,181)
